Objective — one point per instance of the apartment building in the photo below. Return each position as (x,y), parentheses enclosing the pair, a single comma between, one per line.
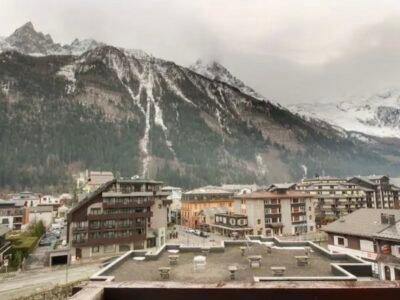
(371,234)
(198,199)
(279,212)
(385,194)
(11,215)
(121,215)
(336,197)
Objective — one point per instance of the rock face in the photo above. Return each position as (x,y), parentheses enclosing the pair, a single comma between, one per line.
(126,111)
(215,71)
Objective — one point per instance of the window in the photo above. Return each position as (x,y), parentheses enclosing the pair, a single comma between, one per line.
(95,211)
(95,249)
(5,221)
(340,241)
(258,221)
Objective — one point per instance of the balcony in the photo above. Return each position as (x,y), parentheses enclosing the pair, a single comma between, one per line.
(108,241)
(128,205)
(274,225)
(272,205)
(275,214)
(299,222)
(116,227)
(79,229)
(299,212)
(298,204)
(100,217)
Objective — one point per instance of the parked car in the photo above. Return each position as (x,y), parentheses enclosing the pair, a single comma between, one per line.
(204,234)
(46,241)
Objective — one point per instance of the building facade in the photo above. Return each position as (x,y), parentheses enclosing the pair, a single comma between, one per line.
(11,215)
(196,200)
(231,225)
(39,213)
(385,194)
(283,212)
(371,234)
(175,195)
(339,196)
(119,216)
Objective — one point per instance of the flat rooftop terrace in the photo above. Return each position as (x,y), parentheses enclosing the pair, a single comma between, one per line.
(217,264)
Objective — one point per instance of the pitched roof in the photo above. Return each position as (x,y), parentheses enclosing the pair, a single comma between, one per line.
(365,179)
(274,195)
(211,211)
(208,190)
(391,233)
(281,186)
(363,222)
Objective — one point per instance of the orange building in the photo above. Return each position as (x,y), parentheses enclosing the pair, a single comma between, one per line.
(194,201)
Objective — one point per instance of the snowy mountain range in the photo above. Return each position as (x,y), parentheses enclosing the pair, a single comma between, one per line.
(376,115)
(27,40)
(102,107)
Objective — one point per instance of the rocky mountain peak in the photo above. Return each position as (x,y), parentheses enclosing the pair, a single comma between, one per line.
(216,71)
(27,40)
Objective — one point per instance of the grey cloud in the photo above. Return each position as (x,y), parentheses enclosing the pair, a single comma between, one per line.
(286,51)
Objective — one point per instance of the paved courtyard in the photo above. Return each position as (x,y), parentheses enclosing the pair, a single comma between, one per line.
(217,266)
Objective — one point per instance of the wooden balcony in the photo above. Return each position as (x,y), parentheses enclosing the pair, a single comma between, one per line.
(100,217)
(129,205)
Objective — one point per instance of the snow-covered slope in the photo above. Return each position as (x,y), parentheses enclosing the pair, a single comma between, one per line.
(4,45)
(216,71)
(377,114)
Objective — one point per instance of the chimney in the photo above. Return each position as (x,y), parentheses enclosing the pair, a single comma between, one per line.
(392,220)
(384,218)
(388,219)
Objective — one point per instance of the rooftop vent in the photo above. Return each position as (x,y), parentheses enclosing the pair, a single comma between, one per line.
(388,219)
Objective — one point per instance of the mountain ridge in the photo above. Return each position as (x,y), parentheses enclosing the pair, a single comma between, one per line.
(123,110)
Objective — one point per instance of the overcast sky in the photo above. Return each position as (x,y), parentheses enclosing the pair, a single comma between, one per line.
(290,51)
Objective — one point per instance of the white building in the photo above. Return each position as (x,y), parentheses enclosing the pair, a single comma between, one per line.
(280,212)
(41,213)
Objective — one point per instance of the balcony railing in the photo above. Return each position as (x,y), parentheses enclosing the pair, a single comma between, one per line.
(128,205)
(299,221)
(108,241)
(95,217)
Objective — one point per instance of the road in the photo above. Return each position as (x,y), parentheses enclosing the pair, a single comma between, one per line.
(191,239)
(29,282)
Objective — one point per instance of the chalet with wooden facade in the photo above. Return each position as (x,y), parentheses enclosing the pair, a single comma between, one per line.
(119,216)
